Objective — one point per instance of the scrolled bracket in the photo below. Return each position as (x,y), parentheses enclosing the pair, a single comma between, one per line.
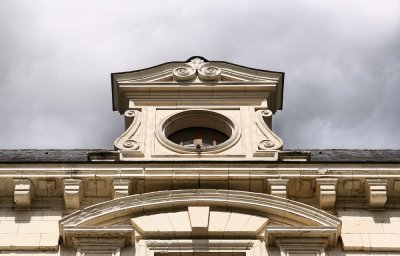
(131,144)
(266,139)
(131,139)
(130,115)
(266,144)
(267,117)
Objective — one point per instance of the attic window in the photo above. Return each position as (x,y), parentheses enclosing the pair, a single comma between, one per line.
(195,131)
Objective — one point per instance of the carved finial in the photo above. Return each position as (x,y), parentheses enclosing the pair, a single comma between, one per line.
(196,63)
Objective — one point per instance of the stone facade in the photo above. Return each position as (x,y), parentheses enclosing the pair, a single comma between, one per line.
(198,171)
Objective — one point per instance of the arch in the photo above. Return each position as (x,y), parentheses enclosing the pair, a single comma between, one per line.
(286,218)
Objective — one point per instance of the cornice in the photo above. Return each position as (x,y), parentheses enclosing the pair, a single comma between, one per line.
(193,75)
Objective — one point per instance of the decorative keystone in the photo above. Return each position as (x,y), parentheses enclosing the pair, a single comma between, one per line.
(120,188)
(72,193)
(199,216)
(23,194)
(377,192)
(326,192)
(278,187)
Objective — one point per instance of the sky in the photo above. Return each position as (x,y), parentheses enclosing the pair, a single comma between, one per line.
(341,61)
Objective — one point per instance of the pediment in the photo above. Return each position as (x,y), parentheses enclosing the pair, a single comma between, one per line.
(197,70)
(187,214)
(196,73)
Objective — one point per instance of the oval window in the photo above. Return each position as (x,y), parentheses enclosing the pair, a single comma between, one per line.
(195,131)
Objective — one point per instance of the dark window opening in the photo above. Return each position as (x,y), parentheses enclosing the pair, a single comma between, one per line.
(198,137)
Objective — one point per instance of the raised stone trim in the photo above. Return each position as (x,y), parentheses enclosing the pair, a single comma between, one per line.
(218,76)
(94,246)
(306,246)
(245,246)
(278,210)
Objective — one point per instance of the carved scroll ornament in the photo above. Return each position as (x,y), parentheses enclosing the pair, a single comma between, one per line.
(197,68)
(267,140)
(130,139)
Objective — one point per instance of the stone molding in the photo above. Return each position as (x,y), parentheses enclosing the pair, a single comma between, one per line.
(279,211)
(220,246)
(93,246)
(306,246)
(352,180)
(193,78)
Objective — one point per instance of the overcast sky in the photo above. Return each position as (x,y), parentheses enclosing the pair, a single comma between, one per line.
(341,60)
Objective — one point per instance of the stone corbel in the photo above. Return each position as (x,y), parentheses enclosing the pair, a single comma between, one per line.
(120,188)
(326,192)
(376,192)
(23,194)
(278,187)
(72,193)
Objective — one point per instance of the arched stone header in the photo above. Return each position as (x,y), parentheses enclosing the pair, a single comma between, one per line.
(285,218)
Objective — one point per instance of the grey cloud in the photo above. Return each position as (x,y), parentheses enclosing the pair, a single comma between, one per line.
(341,61)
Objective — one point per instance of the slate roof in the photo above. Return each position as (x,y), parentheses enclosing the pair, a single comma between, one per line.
(81,155)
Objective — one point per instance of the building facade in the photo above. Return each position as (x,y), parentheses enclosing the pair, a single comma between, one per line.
(199,171)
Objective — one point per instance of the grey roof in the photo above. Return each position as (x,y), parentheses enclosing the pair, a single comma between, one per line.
(46,155)
(355,155)
(82,155)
